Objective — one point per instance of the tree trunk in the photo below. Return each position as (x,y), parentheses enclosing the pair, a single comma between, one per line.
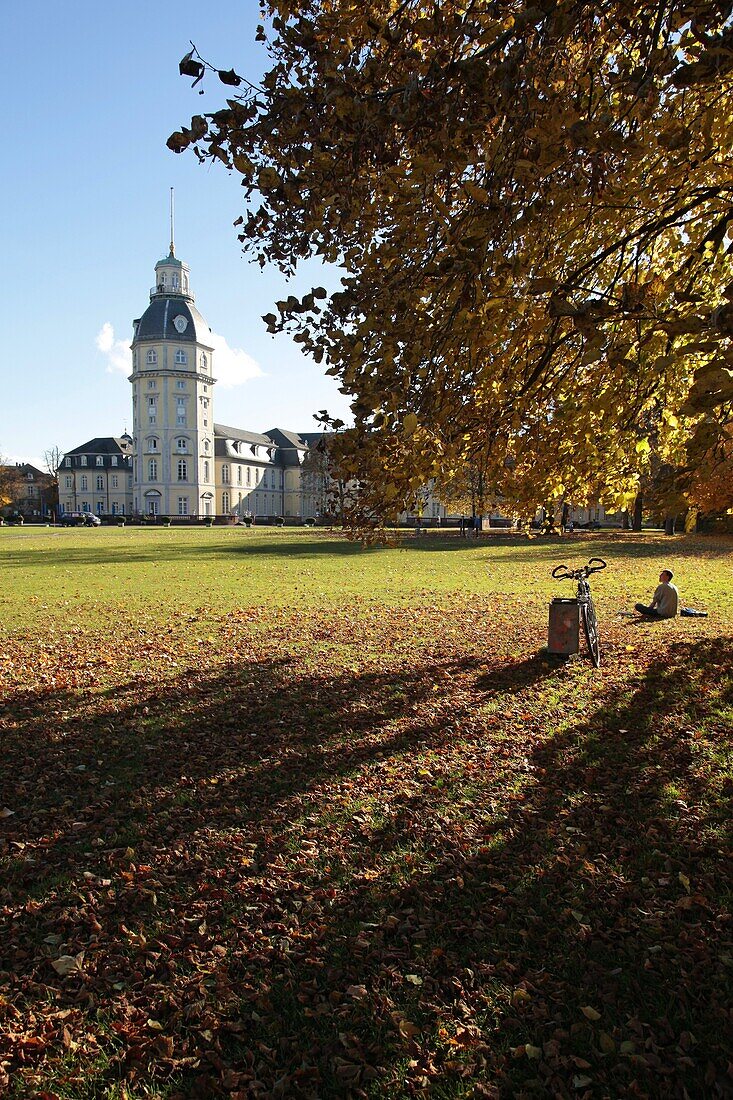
(669,525)
(625,523)
(638,508)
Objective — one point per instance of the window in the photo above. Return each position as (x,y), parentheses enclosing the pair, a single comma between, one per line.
(83,460)
(152,356)
(153,469)
(85,506)
(151,385)
(152,507)
(181,356)
(180,384)
(152,403)
(206,446)
(204,361)
(183,506)
(225,475)
(152,443)
(84,482)
(100,460)
(182,470)
(249,476)
(151,418)
(100,508)
(114,460)
(67,462)
(181,444)
(100,483)
(67,482)
(206,470)
(225,503)
(239,475)
(114,481)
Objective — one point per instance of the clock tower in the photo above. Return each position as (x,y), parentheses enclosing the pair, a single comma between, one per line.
(172,400)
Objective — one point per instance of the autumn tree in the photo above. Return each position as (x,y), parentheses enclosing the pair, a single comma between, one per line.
(11,484)
(531,205)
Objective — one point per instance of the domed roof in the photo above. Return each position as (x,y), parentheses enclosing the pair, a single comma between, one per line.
(169,261)
(158,322)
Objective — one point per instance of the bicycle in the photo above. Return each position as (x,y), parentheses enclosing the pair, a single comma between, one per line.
(585,602)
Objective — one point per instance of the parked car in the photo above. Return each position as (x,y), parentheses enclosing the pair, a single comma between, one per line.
(80,519)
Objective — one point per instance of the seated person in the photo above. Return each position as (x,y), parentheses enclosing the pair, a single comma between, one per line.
(665,599)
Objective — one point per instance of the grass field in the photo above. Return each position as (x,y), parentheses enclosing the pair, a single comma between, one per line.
(281,817)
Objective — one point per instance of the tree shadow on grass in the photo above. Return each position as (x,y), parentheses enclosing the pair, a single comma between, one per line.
(315,882)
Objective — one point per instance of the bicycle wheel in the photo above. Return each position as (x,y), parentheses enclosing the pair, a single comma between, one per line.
(590,628)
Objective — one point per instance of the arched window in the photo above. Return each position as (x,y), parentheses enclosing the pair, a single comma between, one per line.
(206,446)
(225,502)
(225,473)
(100,482)
(181,357)
(182,469)
(152,356)
(239,475)
(204,361)
(206,471)
(153,469)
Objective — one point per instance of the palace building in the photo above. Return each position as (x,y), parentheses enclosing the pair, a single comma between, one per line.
(178,461)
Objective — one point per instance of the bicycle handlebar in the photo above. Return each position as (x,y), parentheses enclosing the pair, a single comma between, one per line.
(562,573)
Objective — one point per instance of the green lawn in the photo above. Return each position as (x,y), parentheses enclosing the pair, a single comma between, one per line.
(281,817)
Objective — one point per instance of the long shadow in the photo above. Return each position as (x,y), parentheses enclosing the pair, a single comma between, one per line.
(204,843)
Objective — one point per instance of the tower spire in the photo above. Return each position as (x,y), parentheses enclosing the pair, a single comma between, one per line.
(173,247)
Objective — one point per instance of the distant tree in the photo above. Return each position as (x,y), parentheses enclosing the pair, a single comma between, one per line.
(532,204)
(52,459)
(11,484)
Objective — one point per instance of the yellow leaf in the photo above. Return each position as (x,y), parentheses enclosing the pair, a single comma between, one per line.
(685,881)
(155,1025)
(606,1043)
(409,424)
(590,1013)
(532,1052)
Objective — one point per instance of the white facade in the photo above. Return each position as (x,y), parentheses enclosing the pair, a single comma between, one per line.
(172,401)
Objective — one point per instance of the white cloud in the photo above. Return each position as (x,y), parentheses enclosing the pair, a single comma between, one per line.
(232,366)
(116,352)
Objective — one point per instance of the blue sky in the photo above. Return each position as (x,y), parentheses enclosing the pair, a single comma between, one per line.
(92,92)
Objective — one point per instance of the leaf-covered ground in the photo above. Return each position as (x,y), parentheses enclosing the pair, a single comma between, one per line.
(382,848)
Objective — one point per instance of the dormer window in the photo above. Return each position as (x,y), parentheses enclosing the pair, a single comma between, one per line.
(100,460)
(83,460)
(152,356)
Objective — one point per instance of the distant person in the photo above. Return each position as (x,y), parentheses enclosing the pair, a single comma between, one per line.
(665,600)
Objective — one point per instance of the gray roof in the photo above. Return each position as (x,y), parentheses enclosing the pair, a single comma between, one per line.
(156,322)
(242,436)
(104,445)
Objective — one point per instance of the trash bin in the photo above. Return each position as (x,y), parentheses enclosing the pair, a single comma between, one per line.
(563,634)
